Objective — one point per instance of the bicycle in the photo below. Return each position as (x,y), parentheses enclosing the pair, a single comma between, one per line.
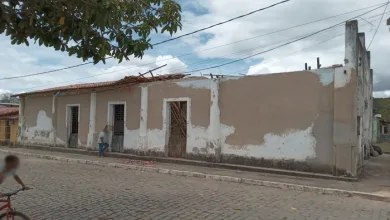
(11,213)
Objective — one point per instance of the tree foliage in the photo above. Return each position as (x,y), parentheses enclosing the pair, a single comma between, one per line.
(7,98)
(94,29)
(382,106)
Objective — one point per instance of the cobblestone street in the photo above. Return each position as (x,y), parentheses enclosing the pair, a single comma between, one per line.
(76,191)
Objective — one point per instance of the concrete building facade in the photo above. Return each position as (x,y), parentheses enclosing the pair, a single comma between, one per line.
(314,121)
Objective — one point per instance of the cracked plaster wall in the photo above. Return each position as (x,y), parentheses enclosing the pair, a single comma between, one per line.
(132,98)
(61,108)
(198,93)
(37,124)
(284,116)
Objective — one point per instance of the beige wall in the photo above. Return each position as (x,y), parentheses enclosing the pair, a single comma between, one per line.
(298,120)
(284,117)
(345,139)
(132,99)
(38,123)
(61,107)
(197,91)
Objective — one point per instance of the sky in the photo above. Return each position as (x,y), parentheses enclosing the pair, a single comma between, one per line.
(222,44)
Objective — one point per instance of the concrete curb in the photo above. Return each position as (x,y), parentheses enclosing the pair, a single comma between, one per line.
(280,185)
(191,163)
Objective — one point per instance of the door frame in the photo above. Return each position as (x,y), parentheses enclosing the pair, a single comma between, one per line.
(167,119)
(68,119)
(110,119)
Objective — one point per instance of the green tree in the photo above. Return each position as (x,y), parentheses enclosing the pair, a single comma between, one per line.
(94,29)
(382,106)
(7,98)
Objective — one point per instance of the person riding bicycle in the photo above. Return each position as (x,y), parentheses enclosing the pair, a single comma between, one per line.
(8,168)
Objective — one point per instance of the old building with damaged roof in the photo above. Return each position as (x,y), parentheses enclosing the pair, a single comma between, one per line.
(312,120)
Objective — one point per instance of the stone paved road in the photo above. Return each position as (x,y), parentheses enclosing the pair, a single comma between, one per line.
(76,191)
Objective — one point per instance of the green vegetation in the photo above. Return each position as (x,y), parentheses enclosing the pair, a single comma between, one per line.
(382,106)
(94,29)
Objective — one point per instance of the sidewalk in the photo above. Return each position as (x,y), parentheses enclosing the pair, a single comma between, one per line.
(375,183)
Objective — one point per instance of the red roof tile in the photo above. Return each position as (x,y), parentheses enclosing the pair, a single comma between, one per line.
(131,80)
(9,111)
(10,117)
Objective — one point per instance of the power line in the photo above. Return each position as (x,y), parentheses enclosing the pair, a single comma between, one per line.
(367,21)
(305,48)
(212,66)
(334,37)
(274,48)
(300,25)
(378,24)
(130,68)
(50,71)
(224,22)
(250,50)
(269,33)
(179,68)
(175,38)
(240,52)
(292,27)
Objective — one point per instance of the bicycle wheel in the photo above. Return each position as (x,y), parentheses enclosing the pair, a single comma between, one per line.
(16,215)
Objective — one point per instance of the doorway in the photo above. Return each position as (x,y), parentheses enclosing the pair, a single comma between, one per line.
(73,122)
(177,142)
(117,117)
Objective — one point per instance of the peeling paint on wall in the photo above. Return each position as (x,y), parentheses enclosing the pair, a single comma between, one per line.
(231,78)
(130,139)
(197,84)
(42,133)
(156,139)
(197,140)
(326,76)
(342,77)
(293,144)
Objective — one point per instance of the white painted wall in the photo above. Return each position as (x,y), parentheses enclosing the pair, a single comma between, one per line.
(298,145)
(197,136)
(143,131)
(293,144)
(42,133)
(130,137)
(92,137)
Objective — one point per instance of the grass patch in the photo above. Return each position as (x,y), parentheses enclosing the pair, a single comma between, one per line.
(385,147)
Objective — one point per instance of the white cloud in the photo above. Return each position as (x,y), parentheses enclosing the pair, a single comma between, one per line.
(173,65)
(284,16)
(22,60)
(2,91)
(383,94)
(15,60)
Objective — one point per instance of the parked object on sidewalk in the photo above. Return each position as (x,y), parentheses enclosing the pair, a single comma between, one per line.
(378,149)
(374,154)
